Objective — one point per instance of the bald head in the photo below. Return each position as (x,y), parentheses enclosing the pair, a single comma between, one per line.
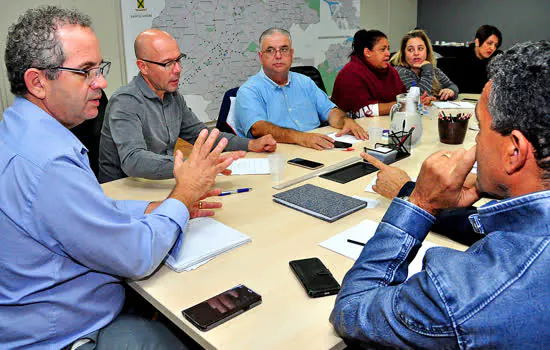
(148,43)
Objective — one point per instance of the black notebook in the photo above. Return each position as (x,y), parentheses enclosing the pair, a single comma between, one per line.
(319,202)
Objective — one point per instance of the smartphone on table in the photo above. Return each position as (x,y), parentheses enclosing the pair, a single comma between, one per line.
(222,307)
(315,277)
(305,163)
(340,144)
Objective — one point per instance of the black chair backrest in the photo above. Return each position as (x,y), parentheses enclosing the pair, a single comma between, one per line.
(89,133)
(451,66)
(224,111)
(313,73)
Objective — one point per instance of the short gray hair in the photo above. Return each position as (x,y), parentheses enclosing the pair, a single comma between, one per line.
(272,31)
(520,96)
(33,42)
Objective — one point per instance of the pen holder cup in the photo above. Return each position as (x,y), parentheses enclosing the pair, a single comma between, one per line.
(396,141)
(452,132)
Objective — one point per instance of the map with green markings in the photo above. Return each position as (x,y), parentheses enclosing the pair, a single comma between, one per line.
(220,39)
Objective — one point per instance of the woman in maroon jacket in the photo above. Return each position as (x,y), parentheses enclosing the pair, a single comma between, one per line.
(368,84)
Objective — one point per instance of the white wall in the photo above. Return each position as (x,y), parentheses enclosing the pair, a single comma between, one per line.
(106,22)
(393,17)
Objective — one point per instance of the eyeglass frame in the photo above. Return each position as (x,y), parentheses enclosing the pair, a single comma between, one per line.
(103,69)
(166,64)
(279,50)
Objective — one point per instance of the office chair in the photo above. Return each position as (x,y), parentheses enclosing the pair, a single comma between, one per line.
(451,66)
(223,124)
(89,133)
(313,73)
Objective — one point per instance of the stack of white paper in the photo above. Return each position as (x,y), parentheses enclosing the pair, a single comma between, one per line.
(344,138)
(204,239)
(249,166)
(452,104)
(362,233)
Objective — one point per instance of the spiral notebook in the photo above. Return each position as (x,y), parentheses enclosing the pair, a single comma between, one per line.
(319,202)
(204,239)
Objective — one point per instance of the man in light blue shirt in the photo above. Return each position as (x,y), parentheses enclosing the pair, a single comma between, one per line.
(286,104)
(66,247)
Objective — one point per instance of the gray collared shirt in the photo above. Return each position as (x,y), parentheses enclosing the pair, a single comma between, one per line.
(140,131)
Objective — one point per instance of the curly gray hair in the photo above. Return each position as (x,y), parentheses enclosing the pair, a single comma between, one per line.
(520,96)
(33,42)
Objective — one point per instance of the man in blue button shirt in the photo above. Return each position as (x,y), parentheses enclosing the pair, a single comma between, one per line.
(495,294)
(287,104)
(65,247)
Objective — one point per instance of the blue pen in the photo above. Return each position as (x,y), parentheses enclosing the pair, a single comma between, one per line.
(239,190)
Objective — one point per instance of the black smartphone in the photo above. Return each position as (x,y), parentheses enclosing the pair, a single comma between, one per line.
(304,163)
(315,277)
(222,307)
(340,144)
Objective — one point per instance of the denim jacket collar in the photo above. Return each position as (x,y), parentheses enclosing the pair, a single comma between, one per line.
(512,213)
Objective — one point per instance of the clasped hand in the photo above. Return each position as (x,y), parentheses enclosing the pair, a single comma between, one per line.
(445,181)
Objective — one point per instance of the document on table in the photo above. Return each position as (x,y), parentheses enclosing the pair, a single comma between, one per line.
(452,104)
(204,239)
(362,233)
(343,138)
(249,166)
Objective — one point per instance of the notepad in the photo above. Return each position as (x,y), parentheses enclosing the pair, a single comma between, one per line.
(452,104)
(319,202)
(249,166)
(344,138)
(362,232)
(204,239)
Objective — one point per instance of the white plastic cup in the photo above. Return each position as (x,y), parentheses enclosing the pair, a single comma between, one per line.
(277,163)
(375,135)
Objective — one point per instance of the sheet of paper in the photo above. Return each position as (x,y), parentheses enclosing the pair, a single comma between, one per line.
(362,233)
(344,138)
(371,203)
(250,166)
(373,182)
(453,104)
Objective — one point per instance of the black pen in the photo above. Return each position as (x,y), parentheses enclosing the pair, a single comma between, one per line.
(355,242)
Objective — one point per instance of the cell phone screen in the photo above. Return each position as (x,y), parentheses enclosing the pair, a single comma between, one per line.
(305,163)
(222,307)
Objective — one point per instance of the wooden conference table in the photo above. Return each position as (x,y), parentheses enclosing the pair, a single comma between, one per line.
(287,317)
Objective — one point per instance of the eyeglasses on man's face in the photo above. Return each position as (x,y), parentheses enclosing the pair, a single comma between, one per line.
(271,51)
(169,65)
(91,74)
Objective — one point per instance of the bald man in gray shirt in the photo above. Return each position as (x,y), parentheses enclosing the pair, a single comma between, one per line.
(144,119)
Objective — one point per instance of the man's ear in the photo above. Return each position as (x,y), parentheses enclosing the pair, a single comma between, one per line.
(35,81)
(142,67)
(517,150)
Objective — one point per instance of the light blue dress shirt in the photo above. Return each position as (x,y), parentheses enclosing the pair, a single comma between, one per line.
(65,246)
(298,105)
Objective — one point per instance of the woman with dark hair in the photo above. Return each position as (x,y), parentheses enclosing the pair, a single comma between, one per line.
(473,75)
(416,64)
(368,84)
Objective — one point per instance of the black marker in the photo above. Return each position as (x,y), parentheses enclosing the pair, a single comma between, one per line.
(355,242)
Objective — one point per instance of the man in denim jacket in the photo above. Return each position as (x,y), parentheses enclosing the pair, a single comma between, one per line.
(495,294)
